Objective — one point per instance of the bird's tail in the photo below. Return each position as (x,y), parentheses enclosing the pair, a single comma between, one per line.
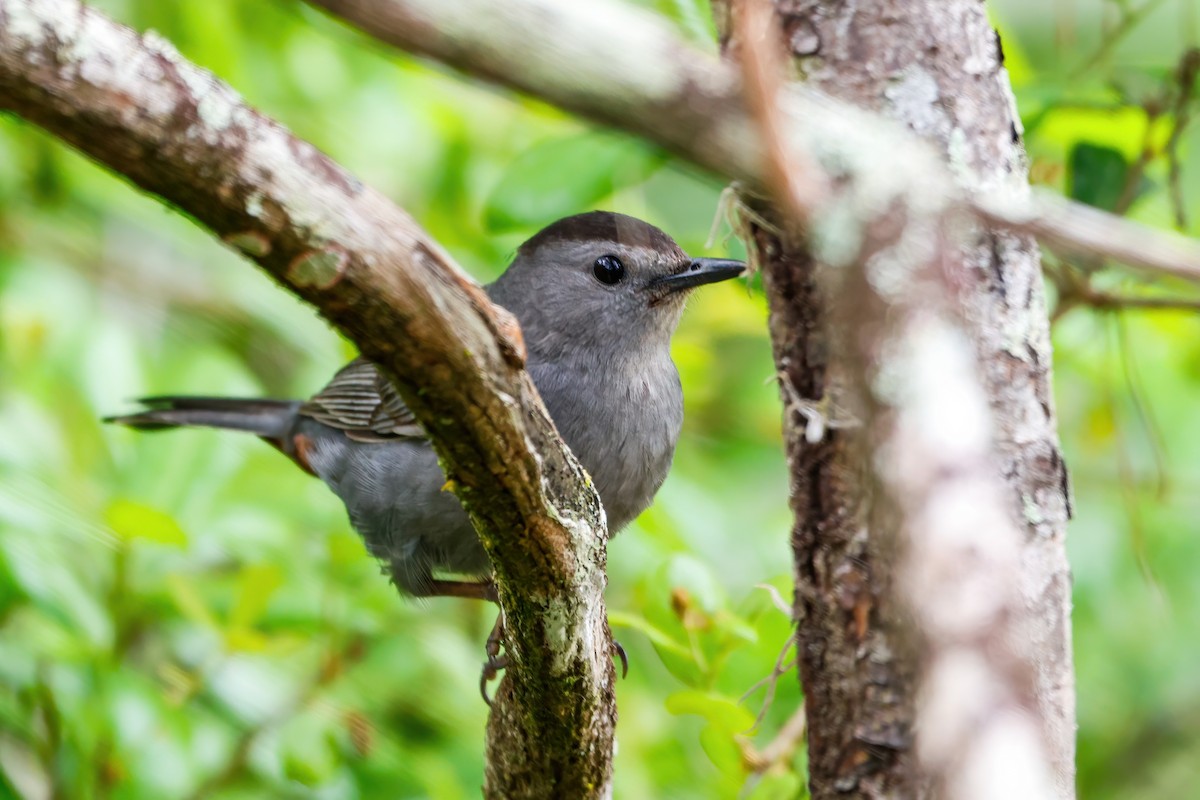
(270,419)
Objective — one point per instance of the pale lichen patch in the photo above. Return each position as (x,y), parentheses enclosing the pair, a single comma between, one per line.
(556,622)
(914,99)
(1020,332)
(25,25)
(162,47)
(959,154)
(216,110)
(314,205)
(1031,510)
(254,204)
(836,234)
(198,81)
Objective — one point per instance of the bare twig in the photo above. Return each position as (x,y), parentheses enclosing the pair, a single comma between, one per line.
(1125,468)
(1186,74)
(1129,20)
(782,666)
(790,175)
(1144,412)
(1082,230)
(1074,282)
(785,744)
(1108,301)
(1137,171)
(1075,288)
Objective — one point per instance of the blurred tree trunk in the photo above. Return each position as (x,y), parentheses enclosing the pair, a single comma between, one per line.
(937,66)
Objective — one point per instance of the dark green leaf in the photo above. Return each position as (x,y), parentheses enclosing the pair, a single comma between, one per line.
(1097,175)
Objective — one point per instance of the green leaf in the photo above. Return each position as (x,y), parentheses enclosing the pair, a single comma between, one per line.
(778,786)
(131,520)
(1097,174)
(308,748)
(693,17)
(189,600)
(566,175)
(720,711)
(660,638)
(723,751)
(256,584)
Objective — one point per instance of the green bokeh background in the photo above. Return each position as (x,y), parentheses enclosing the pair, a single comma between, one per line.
(187,615)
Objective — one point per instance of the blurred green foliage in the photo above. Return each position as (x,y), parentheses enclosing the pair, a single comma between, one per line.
(187,615)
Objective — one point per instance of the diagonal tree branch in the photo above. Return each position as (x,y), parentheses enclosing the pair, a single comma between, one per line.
(659,87)
(135,105)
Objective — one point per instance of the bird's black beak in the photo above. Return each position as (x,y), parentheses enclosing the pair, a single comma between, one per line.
(698,273)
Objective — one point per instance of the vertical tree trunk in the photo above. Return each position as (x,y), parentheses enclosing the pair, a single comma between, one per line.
(859,688)
(937,66)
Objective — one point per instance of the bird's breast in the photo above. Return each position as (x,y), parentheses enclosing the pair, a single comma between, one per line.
(622,422)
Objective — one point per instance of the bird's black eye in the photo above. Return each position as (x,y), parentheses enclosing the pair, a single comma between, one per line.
(608,270)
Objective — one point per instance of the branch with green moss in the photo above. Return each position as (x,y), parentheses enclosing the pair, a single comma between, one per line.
(135,105)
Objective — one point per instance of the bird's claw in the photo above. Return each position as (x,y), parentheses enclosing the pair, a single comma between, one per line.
(624,658)
(497,662)
(491,670)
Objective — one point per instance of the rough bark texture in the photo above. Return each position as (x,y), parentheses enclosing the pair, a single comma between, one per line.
(937,67)
(859,696)
(953,592)
(856,659)
(133,104)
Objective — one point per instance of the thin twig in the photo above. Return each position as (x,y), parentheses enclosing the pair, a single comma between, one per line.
(790,174)
(790,736)
(1082,230)
(1126,472)
(1186,75)
(1136,172)
(1129,21)
(1142,408)
(782,666)
(1073,285)
(1116,302)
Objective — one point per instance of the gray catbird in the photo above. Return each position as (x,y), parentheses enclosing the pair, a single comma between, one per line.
(598,296)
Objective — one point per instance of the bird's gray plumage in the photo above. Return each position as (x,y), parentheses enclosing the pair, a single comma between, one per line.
(599,355)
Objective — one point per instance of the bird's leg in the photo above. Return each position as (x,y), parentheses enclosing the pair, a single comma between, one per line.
(475,590)
(495,662)
(472,590)
(486,590)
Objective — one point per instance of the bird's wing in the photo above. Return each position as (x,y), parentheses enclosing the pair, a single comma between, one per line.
(363,403)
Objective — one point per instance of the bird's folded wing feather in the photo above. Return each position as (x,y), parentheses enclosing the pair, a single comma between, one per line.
(363,403)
